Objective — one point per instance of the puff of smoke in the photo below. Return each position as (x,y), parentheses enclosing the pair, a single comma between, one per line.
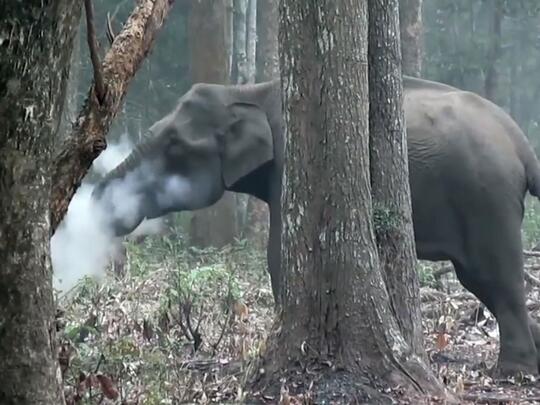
(84,244)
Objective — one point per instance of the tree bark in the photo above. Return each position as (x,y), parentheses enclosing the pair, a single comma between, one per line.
(494,53)
(336,320)
(411,27)
(239,68)
(267,44)
(72,93)
(34,65)
(119,66)
(209,33)
(390,173)
(251,40)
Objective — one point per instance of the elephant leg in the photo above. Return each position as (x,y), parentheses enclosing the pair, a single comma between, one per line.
(496,279)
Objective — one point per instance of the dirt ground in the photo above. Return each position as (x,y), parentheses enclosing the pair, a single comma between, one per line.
(147,336)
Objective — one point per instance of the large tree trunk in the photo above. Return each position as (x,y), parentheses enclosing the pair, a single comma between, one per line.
(209,32)
(389,171)
(411,27)
(87,140)
(336,313)
(34,65)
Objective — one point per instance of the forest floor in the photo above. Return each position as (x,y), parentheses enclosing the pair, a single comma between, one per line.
(179,325)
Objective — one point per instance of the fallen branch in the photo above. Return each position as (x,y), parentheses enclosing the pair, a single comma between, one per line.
(531,253)
(531,279)
(87,140)
(99,85)
(497,399)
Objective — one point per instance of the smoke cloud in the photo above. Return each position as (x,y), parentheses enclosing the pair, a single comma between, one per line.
(84,244)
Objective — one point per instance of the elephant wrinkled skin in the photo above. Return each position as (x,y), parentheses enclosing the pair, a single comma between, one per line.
(470,167)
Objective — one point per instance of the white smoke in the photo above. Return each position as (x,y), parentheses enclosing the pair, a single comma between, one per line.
(84,245)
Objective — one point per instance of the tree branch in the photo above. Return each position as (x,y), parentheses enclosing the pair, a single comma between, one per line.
(93,46)
(119,66)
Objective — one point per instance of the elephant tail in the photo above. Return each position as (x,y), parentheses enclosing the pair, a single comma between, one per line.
(533,178)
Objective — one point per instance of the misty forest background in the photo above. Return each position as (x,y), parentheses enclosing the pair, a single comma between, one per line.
(200,288)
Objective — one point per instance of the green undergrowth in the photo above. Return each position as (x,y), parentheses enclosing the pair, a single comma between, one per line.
(173,324)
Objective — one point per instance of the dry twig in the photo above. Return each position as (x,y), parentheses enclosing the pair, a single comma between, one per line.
(99,85)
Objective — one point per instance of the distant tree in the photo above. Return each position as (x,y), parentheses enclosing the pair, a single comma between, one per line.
(267,68)
(411,28)
(336,319)
(209,36)
(37,41)
(267,40)
(390,173)
(494,53)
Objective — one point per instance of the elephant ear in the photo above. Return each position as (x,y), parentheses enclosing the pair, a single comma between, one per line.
(248,142)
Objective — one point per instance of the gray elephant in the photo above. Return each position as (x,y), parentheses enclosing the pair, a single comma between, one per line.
(470,167)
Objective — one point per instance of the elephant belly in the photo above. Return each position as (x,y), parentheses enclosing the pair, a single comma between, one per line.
(436,219)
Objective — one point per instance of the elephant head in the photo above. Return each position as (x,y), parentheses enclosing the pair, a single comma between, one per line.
(215,136)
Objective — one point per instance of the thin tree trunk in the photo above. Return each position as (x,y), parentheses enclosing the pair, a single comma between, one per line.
(267,63)
(209,32)
(239,68)
(267,44)
(336,319)
(87,140)
(34,66)
(389,172)
(411,27)
(490,83)
(251,40)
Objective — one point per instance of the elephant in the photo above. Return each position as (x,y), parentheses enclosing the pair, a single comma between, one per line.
(470,167)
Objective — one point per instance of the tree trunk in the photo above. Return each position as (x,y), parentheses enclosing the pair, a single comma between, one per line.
(209,32)
(34,65)
(410,19)
(72,93)
(267,63)
(390,173)
(251,40)
(267,44)
(239,68)
(336,320)
(494,53)
(87,140)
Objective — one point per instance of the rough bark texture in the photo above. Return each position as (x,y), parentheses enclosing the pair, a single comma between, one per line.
(336,310)
(209,32)
(36,42)
(390,173)
(71,109)
(87,140)
(490,83)
(411,27)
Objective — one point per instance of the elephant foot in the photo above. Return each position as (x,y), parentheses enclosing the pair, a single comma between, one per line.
(517,369)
